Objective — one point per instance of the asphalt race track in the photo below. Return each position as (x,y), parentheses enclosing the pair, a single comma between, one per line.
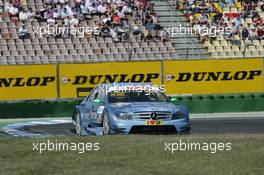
(199,126)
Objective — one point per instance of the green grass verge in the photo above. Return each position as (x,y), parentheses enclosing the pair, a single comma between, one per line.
(135,154)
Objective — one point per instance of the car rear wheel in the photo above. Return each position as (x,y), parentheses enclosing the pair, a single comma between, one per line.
(78,124)
(106,124)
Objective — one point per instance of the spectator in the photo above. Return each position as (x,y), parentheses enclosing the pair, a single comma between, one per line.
(113,34)
(233,30)
(31,14)
(107,20)
(244,34)
(230,3)
(74,21)
(237,22)
(260,32)
(148,22)
(23,32)
(12,10)
(252,31)
(116,20)
(116,15)
(257,20)
(102,9)
(56,14)
(127,10)
(23,15)
(105,31)
(64,13)
(203,19)
(165,35)
(48,2)
(48,15)
(16,3)
(149,36)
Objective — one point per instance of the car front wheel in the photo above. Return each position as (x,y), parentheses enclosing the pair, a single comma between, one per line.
(78,124)
(106,124)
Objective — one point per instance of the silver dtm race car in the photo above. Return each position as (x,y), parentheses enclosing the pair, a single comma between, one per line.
(129,108)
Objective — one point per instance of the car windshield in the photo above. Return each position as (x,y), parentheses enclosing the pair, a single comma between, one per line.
(126,97)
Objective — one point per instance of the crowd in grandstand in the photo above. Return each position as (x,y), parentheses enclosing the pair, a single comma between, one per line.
(113,17)
(241,16)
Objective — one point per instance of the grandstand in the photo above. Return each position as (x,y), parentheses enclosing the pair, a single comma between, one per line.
(129,30)
(243,17)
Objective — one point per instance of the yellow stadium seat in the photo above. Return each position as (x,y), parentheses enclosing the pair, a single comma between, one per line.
(230,54)
(23,2)
(238,54)
(223,43)
(214,55)
(220,37)
(261,15)
(261,53)
(255,54)
(222,55)
(217,7)
(207,44)
(251,48)
(235,48)
(225,10)
(258,9)
(259,48)
(248,54)
(227,48)
(248,20)
(234,10)
(256,42)
(197,15)
(219,49)
(211,49)
(238,4)
(216,43)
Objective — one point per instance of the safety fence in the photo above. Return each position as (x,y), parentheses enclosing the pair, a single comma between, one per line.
(195,104)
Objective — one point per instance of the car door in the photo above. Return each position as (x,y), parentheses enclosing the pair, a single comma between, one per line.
(89,105)
(97,108)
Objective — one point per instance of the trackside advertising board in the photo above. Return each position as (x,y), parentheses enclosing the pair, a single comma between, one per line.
(213,76)
(20,82)
(77,79)
(27,82)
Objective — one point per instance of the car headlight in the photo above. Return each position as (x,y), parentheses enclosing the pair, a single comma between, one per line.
(123,116)
(177,115)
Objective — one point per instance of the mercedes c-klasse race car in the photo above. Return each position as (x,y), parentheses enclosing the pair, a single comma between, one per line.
(126,108)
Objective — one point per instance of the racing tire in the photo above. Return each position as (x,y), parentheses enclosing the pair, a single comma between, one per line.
(106,124)
(78,124)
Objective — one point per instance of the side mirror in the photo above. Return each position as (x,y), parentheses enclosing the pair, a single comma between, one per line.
(97,100)
(173,99)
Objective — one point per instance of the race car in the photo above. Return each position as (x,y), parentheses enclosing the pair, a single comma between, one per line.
(124,108)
